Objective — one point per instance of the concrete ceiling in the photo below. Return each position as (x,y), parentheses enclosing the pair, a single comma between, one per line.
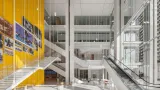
(81,7)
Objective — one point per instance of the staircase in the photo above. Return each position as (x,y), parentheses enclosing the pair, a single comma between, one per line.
(61,70)
(55,47)
(58,49)
(13,80)
(80,62)
(57,68)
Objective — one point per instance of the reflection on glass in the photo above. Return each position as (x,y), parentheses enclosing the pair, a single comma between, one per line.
(135,53)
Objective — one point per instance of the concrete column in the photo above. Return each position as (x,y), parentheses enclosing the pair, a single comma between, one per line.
(67,41)
(71,40)
(103,70)
(155,67)
(121,24)
(89,74)
(78,73)
(123,5)
(105,74)
(151,51)
(117,23)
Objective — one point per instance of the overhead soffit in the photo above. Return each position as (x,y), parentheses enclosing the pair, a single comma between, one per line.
(81,7)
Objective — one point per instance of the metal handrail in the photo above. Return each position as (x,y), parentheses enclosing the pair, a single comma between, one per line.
(34,62)
(135,16)
(7,70)
(20,74)
(24,87)
(31,86)
(144,43)
(20,88)
(59,66)
(135,73)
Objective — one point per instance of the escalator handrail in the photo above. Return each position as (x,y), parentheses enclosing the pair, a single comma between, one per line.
(132,78)
(124,73)
(133,71)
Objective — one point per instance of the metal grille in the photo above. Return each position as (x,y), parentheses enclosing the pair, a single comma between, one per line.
(158,30)
(158,39)
(141,36)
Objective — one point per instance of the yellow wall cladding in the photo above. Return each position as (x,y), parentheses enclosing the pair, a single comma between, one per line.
(33,11)
(35,79)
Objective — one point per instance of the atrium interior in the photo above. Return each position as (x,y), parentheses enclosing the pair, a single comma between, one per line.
(79,44)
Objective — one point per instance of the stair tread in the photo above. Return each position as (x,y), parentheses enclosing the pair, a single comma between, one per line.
(19,74)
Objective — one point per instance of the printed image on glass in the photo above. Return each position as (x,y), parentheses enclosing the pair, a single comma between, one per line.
(31,51)
(27,25)
(37,32)
(28,39)
(1,55)
(18,46)
(40,44)
(1,24)
(8,42)
(1,41)
(19,33)
(8,29)
(25,48)
(8,51)
(35,43)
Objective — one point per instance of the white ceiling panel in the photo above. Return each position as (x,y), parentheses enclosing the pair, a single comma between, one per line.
(108,8)
(81,7)
(77,9)
(110,1)
(93,1)
(55,1)
(92,9)
(58,8)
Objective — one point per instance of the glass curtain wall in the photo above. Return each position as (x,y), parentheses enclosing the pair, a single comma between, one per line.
(158,40)
(55,26)
(129,8)
(55,33)
(55,29)
(21,39)
(92,30)
(136,42)
(55,22)
(112,34)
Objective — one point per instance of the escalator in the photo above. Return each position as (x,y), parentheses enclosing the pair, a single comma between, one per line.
(126,79)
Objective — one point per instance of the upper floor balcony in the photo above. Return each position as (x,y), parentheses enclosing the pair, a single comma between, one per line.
(82,33)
